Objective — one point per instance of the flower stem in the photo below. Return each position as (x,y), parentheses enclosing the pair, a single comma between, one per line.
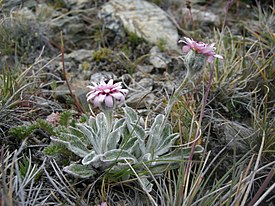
(79,107)
(175,96)
(200,120)
(109,118)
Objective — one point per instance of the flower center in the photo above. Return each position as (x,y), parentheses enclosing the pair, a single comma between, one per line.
(106,91)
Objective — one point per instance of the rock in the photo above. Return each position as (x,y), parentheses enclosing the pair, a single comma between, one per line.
(145,68)
(158,59)
(143,18)
(140,95)
(233,133)
(202,16)
(78,4)
(15,4)
(75,28)
(44,12)
(80,55)
(79,89)
(97,77)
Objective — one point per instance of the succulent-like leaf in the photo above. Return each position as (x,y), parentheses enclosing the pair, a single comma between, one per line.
(79,170)
(178,155)
(73,143)
(155,134)
(114,137)
(130,114)
(165,144)
(110,157)
(145,184)
(91,136)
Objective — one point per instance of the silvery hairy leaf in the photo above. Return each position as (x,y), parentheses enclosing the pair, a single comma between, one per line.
(74,143)
(160,140)
(133,127)
(145,184)
(178,154)
(108,158)
(79,170)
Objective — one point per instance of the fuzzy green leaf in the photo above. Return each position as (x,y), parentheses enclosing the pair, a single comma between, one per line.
(145,184)
(110,157)
(155,134)
(79,170)
(177,155)
(102,131)
(130,114)
(113,138)
(73,143)
(91,136)
(165,144)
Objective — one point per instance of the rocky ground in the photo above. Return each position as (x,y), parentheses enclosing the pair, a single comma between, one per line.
(132,41)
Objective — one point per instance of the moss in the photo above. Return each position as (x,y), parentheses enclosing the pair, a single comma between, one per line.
(161,43)
(85,65)
(57,4)
(103,54)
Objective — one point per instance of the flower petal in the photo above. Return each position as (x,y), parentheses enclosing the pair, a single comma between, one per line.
(99,99)
(109,101)
(110,82)
(185,49)
(218,56)
(117,95)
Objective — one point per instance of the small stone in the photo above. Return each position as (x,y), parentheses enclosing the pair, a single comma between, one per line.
(80,55)
(140,95)
(145,68)
(79,89)
(97,77)
(234,133)
(158,59)
(202,16)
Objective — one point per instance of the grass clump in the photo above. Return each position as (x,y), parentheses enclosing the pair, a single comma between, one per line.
(134,39)
(20,39)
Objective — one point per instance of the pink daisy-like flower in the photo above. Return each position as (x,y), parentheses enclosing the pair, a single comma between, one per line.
(201,48)
(103,94)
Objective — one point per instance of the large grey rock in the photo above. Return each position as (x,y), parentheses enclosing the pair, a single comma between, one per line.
(143,18)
